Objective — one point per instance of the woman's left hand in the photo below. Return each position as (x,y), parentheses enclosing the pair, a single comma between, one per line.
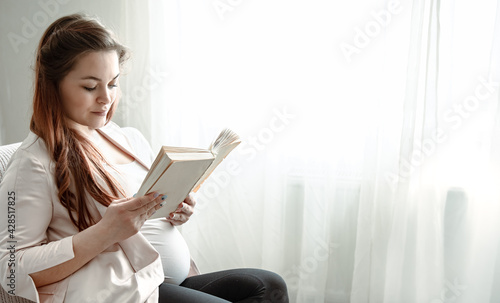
(183,212)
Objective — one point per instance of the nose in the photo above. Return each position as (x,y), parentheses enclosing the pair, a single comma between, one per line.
(106,96)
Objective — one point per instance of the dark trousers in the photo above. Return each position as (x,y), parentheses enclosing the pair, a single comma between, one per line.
(244,285)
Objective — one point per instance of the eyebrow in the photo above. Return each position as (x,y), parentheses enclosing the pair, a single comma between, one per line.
(97,79)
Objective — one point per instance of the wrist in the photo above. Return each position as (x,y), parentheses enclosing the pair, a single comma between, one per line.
(103,234)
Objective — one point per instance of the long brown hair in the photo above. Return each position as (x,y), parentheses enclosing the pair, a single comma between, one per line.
(77,160)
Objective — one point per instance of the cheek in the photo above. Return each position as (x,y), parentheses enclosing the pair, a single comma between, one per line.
(115,94)
(74,102)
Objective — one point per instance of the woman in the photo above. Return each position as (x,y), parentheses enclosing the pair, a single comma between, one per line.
(74,232)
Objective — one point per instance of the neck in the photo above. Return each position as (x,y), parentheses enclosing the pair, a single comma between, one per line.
(89,133)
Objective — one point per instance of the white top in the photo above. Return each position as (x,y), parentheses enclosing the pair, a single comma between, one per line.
(164,237)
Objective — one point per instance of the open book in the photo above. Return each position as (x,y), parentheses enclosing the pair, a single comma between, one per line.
(177,171)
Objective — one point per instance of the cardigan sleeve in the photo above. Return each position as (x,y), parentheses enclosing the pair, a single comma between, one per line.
(26,211)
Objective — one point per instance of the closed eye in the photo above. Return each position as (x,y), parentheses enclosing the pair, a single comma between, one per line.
(90,88)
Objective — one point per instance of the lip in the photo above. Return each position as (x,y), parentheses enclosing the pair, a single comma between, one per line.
(101,113)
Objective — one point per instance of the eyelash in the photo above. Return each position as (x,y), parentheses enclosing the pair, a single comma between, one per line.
(93,88)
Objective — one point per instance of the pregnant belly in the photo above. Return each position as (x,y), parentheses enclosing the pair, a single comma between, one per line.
(171,246)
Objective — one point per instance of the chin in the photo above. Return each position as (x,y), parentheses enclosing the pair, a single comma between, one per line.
(96,124)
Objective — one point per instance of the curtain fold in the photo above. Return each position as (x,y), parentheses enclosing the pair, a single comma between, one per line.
(413,249)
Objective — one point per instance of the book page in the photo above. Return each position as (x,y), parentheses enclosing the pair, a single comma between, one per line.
(225,138)
(221,147)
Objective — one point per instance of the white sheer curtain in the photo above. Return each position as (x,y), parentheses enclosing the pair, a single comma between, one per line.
(370,164)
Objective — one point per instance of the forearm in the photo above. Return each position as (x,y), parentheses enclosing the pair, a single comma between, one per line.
(123,218)
(86,245)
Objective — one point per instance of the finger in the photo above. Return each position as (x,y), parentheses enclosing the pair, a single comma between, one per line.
(149,209)
(152,210)
(190,200)
(176,223)
(184,208)
(177,218)
(144,203)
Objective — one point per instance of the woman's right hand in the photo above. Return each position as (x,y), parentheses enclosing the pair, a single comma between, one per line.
(125,217)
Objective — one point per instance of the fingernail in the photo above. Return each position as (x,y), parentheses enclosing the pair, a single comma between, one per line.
(156,195)
(164,197)
(162,203)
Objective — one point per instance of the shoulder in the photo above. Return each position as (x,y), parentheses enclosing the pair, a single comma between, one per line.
(31,161)
(33,150)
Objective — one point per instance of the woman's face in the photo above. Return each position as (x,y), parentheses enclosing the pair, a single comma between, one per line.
(89,89)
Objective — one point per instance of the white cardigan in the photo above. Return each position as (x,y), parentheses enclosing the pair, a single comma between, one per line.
(39,235)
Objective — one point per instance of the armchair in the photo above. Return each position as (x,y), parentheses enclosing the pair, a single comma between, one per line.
(6,151)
